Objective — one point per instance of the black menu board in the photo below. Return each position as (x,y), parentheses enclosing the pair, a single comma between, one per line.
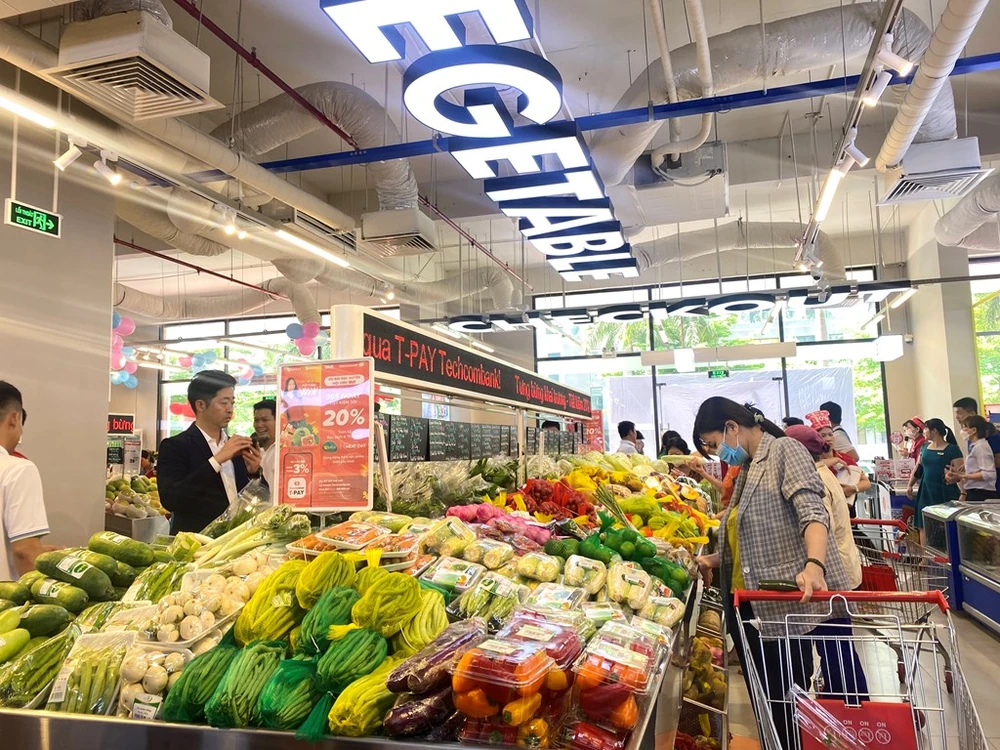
(443,441)
(382,419)
(552,442)
(463,440)
(505,440)
(116,454)
(491,439)
(531,441)
(407,438)
(477,440)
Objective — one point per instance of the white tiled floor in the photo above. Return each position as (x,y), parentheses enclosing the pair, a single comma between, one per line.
(980,658)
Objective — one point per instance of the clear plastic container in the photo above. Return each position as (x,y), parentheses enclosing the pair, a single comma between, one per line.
(420,564)
(395,546)
(556,596)
(663,610)
(491,553)
(614,678)
(590,575)
(148,672)
(561,640)
(392,521)
(628,584)
(454,574)
(581,735)
(352,534)
(603,612)
(310,546)
(501,680)
(539,566)
(493,599)
(447,538)
(664,636)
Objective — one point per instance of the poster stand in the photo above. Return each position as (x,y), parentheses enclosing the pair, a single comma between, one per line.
(383,464)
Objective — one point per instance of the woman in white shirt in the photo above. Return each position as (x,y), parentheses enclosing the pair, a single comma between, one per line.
(980,475)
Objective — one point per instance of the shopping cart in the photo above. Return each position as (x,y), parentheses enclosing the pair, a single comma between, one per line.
(893,560)
(871,707)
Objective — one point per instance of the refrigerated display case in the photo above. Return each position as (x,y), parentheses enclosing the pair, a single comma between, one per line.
(979,553)
(941,538)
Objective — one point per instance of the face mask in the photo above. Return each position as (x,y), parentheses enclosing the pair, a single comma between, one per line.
(733,456)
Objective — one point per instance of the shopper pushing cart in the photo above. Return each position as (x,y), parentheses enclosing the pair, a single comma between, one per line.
(794,713)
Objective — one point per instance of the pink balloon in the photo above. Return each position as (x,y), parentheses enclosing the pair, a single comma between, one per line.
(116,342)
(126,327)
(176,409)
(310,330)
(117,361)
(130,367)
(306,346)
(185,361)
(242,360)
(247,374)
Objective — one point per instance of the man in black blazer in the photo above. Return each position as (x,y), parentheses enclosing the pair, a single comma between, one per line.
(203,469)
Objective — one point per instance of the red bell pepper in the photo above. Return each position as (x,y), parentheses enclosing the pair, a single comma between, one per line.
(600,701)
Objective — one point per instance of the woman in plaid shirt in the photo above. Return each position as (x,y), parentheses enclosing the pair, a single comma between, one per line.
(776,529)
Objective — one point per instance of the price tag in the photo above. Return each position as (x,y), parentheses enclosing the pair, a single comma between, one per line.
(534,633)
(499,647)
(146,706)
(58,692)
(621,655)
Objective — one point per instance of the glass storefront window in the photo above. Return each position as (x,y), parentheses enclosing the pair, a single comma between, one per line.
(561,339)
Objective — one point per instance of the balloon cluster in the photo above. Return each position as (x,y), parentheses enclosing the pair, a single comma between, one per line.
(249,372)
(182,410)
(307,336)
(123,365)
(198,361)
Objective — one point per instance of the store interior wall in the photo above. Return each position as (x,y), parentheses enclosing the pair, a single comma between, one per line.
(55,332)
(142,400)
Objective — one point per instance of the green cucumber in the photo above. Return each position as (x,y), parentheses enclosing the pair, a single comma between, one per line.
(10,619)
(15,592)
(69,568)
(45,619)
(13,643)
(107,565)
(121,548)
(30,577)
(124,575)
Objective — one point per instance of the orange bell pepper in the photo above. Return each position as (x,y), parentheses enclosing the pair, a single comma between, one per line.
(460,680)
(556,680)
(475,704)
(626,716)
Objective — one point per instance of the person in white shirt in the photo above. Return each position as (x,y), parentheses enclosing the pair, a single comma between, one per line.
(201,470)
(22,509)
(264,413)
(627,433)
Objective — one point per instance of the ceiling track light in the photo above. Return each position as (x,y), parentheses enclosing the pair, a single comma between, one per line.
(878,86)
(102,168)
(901,298)
(830,186)
(70,155)
(853,151)
(889,59)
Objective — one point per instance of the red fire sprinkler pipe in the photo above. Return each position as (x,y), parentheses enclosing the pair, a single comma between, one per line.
(198,269)
(251,57)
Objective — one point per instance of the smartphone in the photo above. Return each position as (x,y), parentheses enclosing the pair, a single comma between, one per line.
(255,441)
(778,586)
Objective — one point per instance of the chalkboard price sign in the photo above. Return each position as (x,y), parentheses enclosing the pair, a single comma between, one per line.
(442,444)
(463,441)
(408,437)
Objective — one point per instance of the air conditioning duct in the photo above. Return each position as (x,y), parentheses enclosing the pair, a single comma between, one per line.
(936,171)
(698,189)
(135,66)
(406,231)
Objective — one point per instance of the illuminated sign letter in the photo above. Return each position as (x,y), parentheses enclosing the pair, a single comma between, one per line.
(479,157)
(369,23)
(836,298)
(599,238)
(470,324)
(689,308)
(584,184)
(483,115)
(602,271)
(740,303)
(536,215)
(620,314)
(576,316)
(879,290)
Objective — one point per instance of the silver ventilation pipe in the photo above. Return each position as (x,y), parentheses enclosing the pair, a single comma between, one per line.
(791,45)
(280,120)
(756,239)
(972,222)
(85,10)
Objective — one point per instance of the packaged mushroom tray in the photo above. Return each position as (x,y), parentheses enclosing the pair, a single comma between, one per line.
(148,673)
(198,615)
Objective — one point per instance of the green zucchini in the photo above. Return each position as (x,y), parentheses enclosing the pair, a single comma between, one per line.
(66,595)
(69,568)
(121,548)
(14,591)
(45,619)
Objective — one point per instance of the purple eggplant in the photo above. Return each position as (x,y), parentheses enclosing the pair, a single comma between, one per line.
(430,668)
(416,714)
(447,730)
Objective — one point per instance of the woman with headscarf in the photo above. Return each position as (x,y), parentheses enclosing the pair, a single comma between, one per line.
(913,428)
(776,528)
(851,477)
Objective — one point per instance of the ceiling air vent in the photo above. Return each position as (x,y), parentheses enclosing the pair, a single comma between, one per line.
(324,231)
(133,65)
(935,171)
(399,233)
(696,189)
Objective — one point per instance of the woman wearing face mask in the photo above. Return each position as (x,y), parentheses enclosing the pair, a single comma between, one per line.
(914,431)
(980,472)
(776,528)
(939,453)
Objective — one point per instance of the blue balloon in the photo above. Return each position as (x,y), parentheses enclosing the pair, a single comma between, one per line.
(209,357)
(258,371)
(244,381)
(128,352)
(322,338)
(197,360)
(116,319)
(118,377)
(132,382)
(294,331)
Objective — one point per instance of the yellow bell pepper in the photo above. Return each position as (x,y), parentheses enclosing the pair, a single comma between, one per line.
(534,734)
(519,711)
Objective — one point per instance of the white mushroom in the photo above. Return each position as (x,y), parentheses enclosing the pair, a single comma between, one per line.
(134,667)
(244,566)
(207,619)
(211,602)
(173,663)
(193,607)
(205,644)
(167,634)
(129,693)
(191,627)
(155,681)
(173,680)
(229,605)
(214,584)
(171,615)
(238,590)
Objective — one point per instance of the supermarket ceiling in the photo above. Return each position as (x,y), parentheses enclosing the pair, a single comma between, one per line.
(600,50)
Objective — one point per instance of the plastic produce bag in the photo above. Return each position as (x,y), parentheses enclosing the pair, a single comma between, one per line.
(186,700)
(253,499)
(89,679)
(290,695)
(234,702)
(430,668)
(25,678)
(820,724)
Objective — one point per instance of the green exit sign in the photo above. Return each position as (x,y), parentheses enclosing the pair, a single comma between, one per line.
(33,219)
(713,374)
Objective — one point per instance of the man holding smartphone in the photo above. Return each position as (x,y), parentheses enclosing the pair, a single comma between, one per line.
(202,470)
(264,414)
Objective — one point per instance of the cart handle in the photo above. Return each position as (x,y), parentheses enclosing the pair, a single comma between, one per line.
(876,522)
(894,597)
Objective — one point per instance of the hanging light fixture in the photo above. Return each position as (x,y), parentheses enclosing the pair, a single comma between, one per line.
(70,155)
(102,168)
